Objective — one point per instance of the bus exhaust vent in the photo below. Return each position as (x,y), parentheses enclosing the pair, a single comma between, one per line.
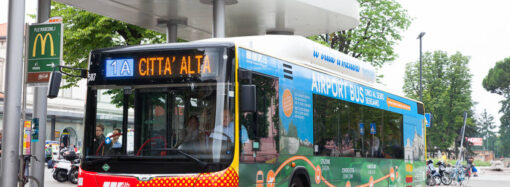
(287,71)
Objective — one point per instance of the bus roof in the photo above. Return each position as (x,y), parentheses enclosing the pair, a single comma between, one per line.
(300,49)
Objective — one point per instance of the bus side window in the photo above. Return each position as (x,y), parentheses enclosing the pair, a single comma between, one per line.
(259,143)
(352,130)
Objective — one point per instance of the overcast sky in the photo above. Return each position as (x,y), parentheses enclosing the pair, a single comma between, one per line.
(479,29)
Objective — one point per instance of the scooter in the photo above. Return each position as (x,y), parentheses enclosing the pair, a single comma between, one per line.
(67,168)
(444,174)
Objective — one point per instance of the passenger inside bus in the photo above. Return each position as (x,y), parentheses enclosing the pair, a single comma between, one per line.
(191,131)
(347,148)
(99,140)
(116,144)
(330,148)
(225,131)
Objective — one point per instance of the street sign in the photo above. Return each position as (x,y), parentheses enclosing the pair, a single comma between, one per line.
(27,132)
(372,128)
(45,43)
(362,129)
(428,119)
(35,130)
(476,141)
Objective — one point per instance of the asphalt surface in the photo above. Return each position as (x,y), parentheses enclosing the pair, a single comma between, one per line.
(489,178)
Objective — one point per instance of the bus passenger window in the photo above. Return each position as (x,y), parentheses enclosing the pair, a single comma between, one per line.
(352,130)
(260,144)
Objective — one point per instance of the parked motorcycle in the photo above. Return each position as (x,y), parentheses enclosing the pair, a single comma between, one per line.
(444,174)
(67,168)
(433,176)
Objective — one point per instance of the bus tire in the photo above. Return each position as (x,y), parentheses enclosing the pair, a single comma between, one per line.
(300,178)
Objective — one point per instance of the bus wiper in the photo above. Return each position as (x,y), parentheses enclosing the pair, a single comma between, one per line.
(201,163)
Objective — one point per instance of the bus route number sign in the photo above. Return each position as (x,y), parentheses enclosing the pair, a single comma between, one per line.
(119,67)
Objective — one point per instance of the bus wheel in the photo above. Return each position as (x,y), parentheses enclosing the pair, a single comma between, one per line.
(297,181)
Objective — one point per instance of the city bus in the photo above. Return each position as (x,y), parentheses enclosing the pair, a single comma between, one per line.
(269,110)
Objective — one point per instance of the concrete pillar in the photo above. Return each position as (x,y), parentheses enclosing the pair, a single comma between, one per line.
(12,105)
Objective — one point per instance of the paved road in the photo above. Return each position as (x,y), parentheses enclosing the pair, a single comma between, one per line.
(488,178)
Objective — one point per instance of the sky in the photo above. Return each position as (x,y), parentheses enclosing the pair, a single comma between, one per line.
(478,29)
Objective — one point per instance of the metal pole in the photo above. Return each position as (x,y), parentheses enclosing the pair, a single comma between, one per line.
(24,107)
(421,88)
(171,32)
(219,18)
(52,128)
(12,107)
(462,137)
(40,110)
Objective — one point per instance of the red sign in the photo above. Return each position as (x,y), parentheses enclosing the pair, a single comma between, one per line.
(476,141)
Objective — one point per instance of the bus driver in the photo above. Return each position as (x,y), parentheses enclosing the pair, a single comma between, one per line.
(225,131)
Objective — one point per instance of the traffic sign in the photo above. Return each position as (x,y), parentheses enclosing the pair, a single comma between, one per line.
(45,43)
(428,119)
(362,129)
(372,128)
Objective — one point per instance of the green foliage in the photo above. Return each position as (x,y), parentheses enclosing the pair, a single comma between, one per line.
(498,81)
(381,24)
(485,126)
(85,31)
(446,94)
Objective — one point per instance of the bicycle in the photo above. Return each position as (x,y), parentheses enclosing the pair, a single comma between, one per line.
(25,178)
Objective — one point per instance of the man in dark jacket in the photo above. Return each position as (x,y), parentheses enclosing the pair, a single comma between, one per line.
(99,147)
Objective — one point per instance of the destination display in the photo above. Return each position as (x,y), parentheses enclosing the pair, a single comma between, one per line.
(176,66)
(165,66)
(160,66)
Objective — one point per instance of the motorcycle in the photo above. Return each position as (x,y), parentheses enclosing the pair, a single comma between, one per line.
(433,177)
(430,180)
(444,174)
(67,168)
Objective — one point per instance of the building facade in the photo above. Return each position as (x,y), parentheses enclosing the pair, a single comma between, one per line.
(64,113)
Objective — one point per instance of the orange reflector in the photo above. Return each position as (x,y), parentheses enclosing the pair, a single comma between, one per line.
(293,164)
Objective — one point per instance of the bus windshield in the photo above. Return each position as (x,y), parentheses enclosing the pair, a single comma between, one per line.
(190,123)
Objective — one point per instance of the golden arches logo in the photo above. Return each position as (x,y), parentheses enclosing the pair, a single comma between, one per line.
(43,44)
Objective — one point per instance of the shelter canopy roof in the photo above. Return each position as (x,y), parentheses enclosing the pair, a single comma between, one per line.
(242,17)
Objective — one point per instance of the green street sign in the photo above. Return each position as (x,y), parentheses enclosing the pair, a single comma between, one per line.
(45,43)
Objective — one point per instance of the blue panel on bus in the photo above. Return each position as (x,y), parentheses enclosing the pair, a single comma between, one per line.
(298,84)
(122,67)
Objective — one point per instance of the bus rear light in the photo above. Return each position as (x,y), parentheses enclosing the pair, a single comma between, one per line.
(293,164)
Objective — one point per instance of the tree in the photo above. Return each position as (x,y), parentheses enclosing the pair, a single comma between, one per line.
(498,81)
(381,22)
(446,94)
(85,31)
(485,126)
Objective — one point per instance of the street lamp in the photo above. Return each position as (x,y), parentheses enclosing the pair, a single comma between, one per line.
(421,88)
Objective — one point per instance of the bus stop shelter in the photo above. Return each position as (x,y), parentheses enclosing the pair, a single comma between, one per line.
(195,20)
(186,19)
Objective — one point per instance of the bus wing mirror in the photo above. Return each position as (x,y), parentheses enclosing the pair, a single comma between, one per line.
(248,98)
(54,86)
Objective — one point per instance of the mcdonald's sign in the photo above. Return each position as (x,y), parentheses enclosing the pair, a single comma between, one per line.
(45,42)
